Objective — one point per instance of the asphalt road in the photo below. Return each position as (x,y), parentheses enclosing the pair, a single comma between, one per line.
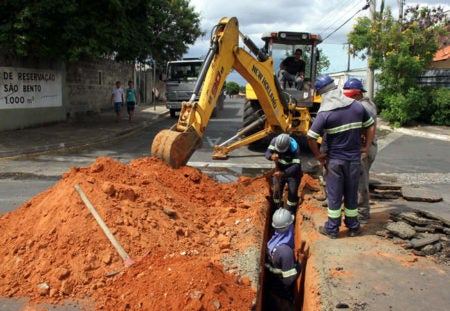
(21,179)
(411,159)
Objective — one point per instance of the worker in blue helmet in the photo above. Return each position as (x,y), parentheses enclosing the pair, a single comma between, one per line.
(354,88)
(341,119)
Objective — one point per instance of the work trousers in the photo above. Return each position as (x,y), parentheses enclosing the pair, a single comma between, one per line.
(288,78)
(342,178)
(363,187)
(278,186)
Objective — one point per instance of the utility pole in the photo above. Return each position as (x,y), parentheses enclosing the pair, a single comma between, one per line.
(401,3)
(370,74)
(348,58)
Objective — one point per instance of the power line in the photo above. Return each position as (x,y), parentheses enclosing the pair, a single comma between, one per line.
(362,9)
(334,16)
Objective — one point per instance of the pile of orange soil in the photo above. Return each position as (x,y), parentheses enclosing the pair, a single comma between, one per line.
(185,231)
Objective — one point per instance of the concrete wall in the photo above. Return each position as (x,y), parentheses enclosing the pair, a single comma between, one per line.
(81,87)
(88,85)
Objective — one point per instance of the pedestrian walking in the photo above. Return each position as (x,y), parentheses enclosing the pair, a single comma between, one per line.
(117,100)
(353,88)
(285,152)
(341,119)
(283,268)
(131,100)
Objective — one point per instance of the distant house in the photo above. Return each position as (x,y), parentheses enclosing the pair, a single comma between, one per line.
(439,73)
(360,74)
(442,58)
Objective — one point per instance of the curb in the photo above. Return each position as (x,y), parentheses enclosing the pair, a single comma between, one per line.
(413,132)
(43,149)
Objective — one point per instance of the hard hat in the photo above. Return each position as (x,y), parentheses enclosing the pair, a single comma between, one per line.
(351,92)
(354,84)
(324,84)
(282,219)
(282,142)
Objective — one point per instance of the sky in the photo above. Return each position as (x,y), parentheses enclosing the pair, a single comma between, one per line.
(322,17)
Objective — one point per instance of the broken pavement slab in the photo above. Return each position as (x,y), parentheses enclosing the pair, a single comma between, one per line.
(413,218)
(401,229)
(421,194)
(385,186)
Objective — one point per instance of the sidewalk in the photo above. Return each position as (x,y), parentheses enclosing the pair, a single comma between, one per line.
(89,129)
(95,128)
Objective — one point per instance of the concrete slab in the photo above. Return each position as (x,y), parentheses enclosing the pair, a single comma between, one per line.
(420,194)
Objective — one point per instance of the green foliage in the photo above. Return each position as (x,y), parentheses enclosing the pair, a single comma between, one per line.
(232,88)
(404,108)
(323,64)
(440,99)
(401,50)
(72,30)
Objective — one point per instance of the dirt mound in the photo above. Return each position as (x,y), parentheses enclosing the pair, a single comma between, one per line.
(185,231)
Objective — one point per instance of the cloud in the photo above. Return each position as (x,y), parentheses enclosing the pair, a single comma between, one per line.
(316,16)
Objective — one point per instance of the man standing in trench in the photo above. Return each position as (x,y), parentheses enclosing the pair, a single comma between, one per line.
(282,267)
(341,119)
(285,152)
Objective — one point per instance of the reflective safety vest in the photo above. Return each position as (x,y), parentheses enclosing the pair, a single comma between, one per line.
(284,274)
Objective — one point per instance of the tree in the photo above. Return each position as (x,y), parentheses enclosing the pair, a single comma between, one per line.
(81,29)
(401,50)
(323,64)
(232,88)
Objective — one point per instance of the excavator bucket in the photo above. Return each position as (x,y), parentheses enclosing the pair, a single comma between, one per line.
(175,148)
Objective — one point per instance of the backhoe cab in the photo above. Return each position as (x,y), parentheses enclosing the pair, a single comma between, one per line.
(268,108)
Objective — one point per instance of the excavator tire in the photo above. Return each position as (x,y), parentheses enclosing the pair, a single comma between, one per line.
(252,111)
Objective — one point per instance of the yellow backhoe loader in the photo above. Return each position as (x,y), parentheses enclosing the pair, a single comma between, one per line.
(269,109)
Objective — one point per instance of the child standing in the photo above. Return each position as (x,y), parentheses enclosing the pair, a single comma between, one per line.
(131,100)
(117,100)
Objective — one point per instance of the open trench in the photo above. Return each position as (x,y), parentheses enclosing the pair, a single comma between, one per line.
(303,299)
(305,290)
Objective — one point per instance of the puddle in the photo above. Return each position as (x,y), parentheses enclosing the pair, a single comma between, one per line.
(231,174)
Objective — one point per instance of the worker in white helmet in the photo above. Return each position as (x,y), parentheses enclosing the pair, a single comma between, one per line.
(283,269)
(285,152)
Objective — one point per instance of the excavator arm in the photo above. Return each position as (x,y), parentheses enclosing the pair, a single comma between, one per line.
(176,145)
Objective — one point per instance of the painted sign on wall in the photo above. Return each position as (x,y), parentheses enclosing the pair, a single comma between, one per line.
(29,88)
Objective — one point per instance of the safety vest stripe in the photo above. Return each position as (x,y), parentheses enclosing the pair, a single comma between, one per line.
(369,122)
(334,213)
(350,212)
(284,274)
(283,161)
(291,203)
(289,273)
(276,200)
(344,127)
(312,134)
